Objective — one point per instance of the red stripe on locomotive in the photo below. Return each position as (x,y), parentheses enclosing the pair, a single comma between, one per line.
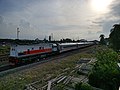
(38,51)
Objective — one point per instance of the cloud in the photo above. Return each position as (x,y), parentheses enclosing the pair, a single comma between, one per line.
(7,30)
(115,9)
(7,6)
(113,16)
(24,24)
(109,19)
(37,18)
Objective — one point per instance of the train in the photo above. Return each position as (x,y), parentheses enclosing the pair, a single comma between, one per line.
(20,54)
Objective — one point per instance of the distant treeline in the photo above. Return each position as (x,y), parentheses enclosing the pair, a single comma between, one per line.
(16,41)
(37,41)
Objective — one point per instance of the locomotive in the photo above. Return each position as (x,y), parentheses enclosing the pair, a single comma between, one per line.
(30,53)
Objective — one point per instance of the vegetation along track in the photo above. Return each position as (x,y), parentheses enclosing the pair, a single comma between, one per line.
(4,57)
(66,77)
(6,69)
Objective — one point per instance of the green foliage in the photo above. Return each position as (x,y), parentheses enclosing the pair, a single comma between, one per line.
(83,86)
(105,73)
(115,37)
(4,50)
(60,87)
(78,86)
(106,56)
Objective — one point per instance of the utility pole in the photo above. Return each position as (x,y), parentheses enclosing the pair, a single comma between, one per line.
(51,36)
(18,33)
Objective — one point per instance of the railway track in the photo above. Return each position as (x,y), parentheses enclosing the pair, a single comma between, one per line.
(10,69)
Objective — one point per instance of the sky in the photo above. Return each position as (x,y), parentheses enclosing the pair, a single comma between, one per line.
(75,19)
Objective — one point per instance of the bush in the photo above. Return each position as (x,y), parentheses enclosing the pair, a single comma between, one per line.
(83,86)
(105,73)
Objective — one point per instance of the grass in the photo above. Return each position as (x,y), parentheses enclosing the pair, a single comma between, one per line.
(18,80)
(4,50)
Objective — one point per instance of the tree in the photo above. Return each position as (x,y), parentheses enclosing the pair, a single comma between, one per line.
(102,40)
(115,37)
(105,73)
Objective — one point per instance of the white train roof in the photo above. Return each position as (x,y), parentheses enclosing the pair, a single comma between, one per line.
(40,44)
(80,43)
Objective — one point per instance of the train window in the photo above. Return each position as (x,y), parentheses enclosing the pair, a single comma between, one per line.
(42,47)
(28,51)
(39,47)
(21,53)
(13,49)
(32,48)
